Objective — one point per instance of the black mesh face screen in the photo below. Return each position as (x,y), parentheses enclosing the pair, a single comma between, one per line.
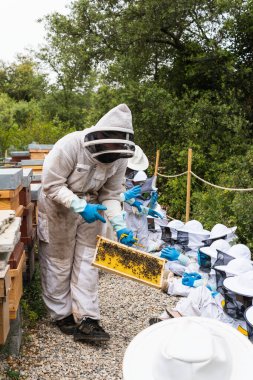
(235,305)
(100,143)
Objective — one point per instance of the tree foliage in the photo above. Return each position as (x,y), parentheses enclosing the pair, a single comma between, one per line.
(185,70)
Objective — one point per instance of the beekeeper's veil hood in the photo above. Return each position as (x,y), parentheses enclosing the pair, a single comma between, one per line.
(113,136)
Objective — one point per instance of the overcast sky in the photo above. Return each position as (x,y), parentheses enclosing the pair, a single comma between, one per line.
(18,26)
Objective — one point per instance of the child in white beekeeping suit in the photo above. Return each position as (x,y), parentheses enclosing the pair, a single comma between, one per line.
(203,302)
(140,198)
(190,348)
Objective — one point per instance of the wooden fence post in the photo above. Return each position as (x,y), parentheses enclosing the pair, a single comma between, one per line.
(156,166)
(188,191)
(157,161)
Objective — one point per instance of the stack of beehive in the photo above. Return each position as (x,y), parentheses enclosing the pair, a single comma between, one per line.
(18,156)
(12,258)
(37,154)
(28,226)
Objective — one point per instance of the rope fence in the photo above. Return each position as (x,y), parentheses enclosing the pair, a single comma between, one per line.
(171,176)
(206,182)
(190,173)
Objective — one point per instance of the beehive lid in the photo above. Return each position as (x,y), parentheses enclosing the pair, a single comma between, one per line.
(10,178)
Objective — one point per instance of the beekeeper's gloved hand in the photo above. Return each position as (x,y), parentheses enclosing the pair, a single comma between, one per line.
(129,239)
(131,193)
(153,199)
(137,204)
(90,213)
(118,223)
(171,254)
(154,213)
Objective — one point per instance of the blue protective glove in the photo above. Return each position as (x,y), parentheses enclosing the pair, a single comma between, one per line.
(154,213)
(194,275)
(153,199)
(90,213)
(132,193)
(128,240)
(188,281)
(193,279)
(137,204)
(170,253)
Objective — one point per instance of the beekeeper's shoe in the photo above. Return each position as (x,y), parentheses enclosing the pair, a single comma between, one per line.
(67,325)
(90,331)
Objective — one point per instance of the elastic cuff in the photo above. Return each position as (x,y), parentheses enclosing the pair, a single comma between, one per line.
(122,197)
(130,201)
(78,204)
(184,260)
(118,222)
(144,210)
(198,283)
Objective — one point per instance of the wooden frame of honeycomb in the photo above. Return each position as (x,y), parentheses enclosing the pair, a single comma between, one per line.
(129,262)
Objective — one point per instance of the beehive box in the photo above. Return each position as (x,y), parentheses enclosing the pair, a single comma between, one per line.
(39,151)
(35,165)
(129,262)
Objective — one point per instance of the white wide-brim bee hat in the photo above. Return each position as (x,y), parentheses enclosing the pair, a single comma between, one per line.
(188,348)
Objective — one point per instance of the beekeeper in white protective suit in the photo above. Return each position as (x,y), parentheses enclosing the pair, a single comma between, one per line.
(82,174)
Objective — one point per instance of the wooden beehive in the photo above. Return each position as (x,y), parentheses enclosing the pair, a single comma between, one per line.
(38,154)
(9,199)
(129,262)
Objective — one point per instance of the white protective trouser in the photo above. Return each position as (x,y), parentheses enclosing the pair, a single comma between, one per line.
(67,246)
(139,225)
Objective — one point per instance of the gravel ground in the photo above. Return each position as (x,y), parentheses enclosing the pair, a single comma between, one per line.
(126,307)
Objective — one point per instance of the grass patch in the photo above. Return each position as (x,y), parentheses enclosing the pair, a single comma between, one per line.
(33,307)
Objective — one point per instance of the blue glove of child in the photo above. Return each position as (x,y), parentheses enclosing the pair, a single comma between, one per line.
(192,279)
(90,213)
(188,281)
(153,199)
(195,275)
(132,193)
(129,239)
(169,253)
(137,204)
(154,213)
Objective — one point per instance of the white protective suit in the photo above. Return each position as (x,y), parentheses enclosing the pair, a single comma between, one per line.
(67,241)
(137,221)
(200,303)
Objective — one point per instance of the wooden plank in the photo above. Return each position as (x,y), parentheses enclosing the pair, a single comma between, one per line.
(39,150)
(4,281)
(16,255)
(9,203)
(4,319)
(16,291)
(129,262)
(38,155)
(35,168)
(20,211)
(25,196)
(4,307)
(10,193)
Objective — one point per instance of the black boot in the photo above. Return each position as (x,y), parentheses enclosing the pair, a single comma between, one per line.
(90,331)
(67,325)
